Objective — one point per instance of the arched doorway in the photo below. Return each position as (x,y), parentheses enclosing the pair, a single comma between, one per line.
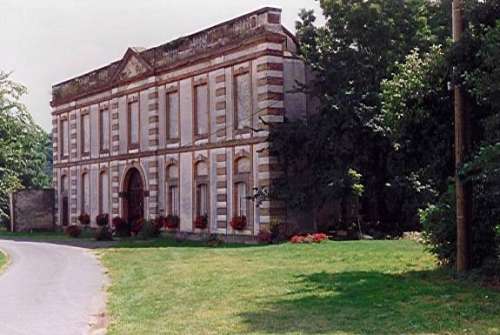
(133,203)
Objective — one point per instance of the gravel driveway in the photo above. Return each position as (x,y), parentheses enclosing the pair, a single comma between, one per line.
(49,289)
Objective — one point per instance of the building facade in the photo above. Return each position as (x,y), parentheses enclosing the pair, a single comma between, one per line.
(179,129)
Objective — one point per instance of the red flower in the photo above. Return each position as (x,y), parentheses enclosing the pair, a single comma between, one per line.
(297,239)
(201,222)
(84,219)
(172,222)
(239,222)
(316,238)
(137,226)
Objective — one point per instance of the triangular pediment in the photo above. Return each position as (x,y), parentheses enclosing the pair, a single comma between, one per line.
(132,65)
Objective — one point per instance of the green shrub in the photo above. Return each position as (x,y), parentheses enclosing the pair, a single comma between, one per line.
(440,229)
(150,229)
(73,231)
(104,233)
(122,227)
(102,219)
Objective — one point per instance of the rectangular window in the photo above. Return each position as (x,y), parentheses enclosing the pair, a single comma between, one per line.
(243,101)
(65,138)
(85,193)
(104,130)
(172,115)
(201,109)
(104,194)
(202,200)
(173,196)
(85,134)
(241,198)
(133,124)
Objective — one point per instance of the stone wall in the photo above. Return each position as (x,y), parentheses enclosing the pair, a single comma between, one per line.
(32,210)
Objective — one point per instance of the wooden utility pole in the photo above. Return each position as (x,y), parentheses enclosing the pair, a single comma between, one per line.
(462,190)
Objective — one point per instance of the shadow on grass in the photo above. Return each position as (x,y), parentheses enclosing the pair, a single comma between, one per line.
(377,303)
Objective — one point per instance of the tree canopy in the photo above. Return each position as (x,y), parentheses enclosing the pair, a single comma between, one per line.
(382,75)
(25,148)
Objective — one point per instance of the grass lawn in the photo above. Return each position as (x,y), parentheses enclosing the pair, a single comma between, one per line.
(44,236)
(371,287)
(3,260)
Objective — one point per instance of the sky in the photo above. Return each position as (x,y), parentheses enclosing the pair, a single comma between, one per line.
(44,42)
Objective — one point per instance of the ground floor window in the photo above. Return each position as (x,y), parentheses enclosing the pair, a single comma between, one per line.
(85,194)
(241,199)
(173,200)
(202,200)
(104,193)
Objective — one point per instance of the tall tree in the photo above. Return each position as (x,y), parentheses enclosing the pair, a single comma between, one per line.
(24,146)
(359,46)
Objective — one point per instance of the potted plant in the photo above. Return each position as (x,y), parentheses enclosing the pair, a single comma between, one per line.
(172,222)
(239,222)
(201,222)
(84,219)
(102,220)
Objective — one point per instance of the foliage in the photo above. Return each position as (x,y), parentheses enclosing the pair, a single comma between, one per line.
(104,233)
(308,238)
(137,226)
(201,222)
(150,229)
(84,219)
(265,236)
(102,219)
(440,229)
(342,152)
(239,222)
(172,221)
(121,227)
(73,231)
(25,153)
(478,73)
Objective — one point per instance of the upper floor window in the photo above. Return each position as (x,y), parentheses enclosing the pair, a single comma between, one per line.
(65,138)
(85,134)
(243,101)
(201,109)
(172,115)
(133,125)
(104,130)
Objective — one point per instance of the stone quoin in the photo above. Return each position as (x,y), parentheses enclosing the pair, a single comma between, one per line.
(181,128)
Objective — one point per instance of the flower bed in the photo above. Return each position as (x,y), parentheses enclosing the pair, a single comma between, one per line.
(121,227)
(172,222)
(84,219)
(239,222)
(201,222)
(102,220)
(137,226)
(309,238)
(73,231)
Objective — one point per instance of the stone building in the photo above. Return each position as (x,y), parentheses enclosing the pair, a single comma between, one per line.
(180,128)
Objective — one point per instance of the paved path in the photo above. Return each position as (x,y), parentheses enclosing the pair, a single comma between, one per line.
(49,289)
